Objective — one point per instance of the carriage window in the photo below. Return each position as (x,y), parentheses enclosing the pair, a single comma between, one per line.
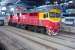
(46,15)
(68,15)
(69,19)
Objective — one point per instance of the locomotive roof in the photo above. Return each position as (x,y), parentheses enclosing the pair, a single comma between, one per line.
(44,8)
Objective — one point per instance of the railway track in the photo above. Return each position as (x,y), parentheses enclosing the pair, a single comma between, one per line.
(21,45)
(63,36)
(61,42)
(7,41)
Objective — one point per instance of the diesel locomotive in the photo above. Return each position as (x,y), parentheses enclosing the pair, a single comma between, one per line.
(39,21)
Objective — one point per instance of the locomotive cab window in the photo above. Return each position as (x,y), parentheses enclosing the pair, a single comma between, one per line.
(46,15)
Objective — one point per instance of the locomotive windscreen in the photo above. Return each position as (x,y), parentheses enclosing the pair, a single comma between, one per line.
(52,14)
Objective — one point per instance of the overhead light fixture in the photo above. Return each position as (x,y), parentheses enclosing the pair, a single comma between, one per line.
(11,9)
(3,13)
(70,1)
(66,3)
(3,8)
